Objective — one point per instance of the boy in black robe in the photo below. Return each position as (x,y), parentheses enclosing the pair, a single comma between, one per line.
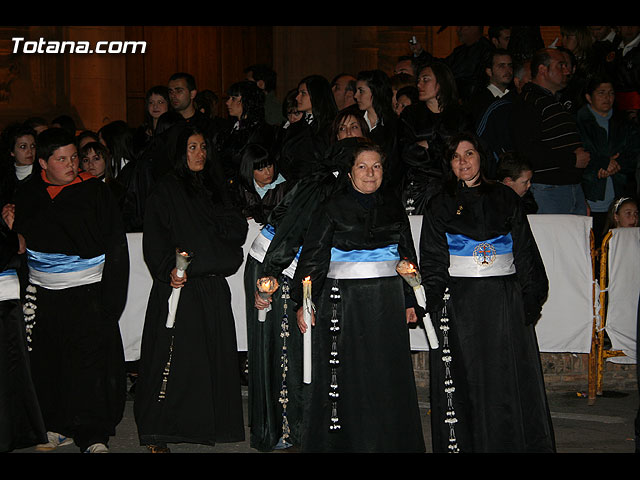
(78,274)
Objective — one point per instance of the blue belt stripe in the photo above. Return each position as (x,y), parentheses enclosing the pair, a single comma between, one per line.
(463,246)
(382,254)
(60,263)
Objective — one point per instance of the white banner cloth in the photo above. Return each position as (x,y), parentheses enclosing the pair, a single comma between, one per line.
(623,292)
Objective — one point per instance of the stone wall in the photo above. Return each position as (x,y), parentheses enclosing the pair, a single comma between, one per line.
(562,372)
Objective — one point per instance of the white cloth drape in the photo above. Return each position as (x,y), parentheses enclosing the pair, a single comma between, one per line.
(565,324)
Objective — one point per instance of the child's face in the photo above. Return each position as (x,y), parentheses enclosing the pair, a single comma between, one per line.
(62,167)
(521,184)
(627,215)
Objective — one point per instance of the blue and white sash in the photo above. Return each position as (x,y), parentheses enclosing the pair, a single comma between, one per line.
(261,244)
(486,258)
(56,271)
(9,285)
(356,264)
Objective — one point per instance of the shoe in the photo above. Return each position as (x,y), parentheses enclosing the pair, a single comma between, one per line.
(97,448)
(55,440)
(158,449)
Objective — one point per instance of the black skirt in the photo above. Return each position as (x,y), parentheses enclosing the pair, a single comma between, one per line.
(275,367)
(202,397)
(491,373)
(21,423)
(377,407)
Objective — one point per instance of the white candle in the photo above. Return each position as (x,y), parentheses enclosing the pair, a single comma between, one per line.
(182,262)
(306,338)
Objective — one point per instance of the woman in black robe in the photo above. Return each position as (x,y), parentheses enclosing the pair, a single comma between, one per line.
(423,130)
(188,388)
(274,347)
(374,97)
(245,105)
(260,185)
(368,401)
(485,285)
(304,143)
(17,157)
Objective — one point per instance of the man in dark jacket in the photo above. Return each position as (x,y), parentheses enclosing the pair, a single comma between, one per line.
(547,135)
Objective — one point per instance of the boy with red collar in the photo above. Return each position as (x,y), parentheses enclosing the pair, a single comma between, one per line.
(78,264)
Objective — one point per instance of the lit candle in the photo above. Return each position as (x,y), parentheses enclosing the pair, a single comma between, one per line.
(266,287)
(411,275)
(307,307)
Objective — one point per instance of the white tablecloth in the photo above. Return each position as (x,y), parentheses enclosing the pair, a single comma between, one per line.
(565,325)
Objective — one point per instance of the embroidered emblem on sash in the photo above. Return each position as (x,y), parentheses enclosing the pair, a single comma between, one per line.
(484,254)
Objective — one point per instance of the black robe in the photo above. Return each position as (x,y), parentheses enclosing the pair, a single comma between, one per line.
(21,423)
(499,401)
(423,169)
(377,406)
(202,401)
(82,393)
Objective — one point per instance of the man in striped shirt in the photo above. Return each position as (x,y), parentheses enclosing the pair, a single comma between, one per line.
(547,135)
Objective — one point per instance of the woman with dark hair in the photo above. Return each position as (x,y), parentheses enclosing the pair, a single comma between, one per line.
(375,98)
(614,145)
(117,136)
(245,106)
(423,130)
(366,401)
(485,285)
(17,159)
(275,345)
(261,186)
(304,142)
(349,122)
(188,388)
(96,160)
(156,103)
(406,96)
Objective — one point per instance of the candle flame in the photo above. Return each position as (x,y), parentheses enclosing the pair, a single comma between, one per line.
(267,285)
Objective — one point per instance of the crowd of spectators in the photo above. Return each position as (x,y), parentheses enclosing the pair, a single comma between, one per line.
(558,123)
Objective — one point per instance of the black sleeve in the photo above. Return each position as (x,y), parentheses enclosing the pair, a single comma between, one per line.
(529,266)
(115,275)
(315,257)
(434,258)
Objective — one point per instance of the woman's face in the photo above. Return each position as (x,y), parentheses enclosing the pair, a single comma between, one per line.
(263,176)
(466,163)
(602,98)
(402,103)
(234,106)
(428,87)
(157,105)
(349,127)
(627,215)
(196,152)
(303,98)
(24,150)
(93,164)
(363,95)
(293,115)
(366,173)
